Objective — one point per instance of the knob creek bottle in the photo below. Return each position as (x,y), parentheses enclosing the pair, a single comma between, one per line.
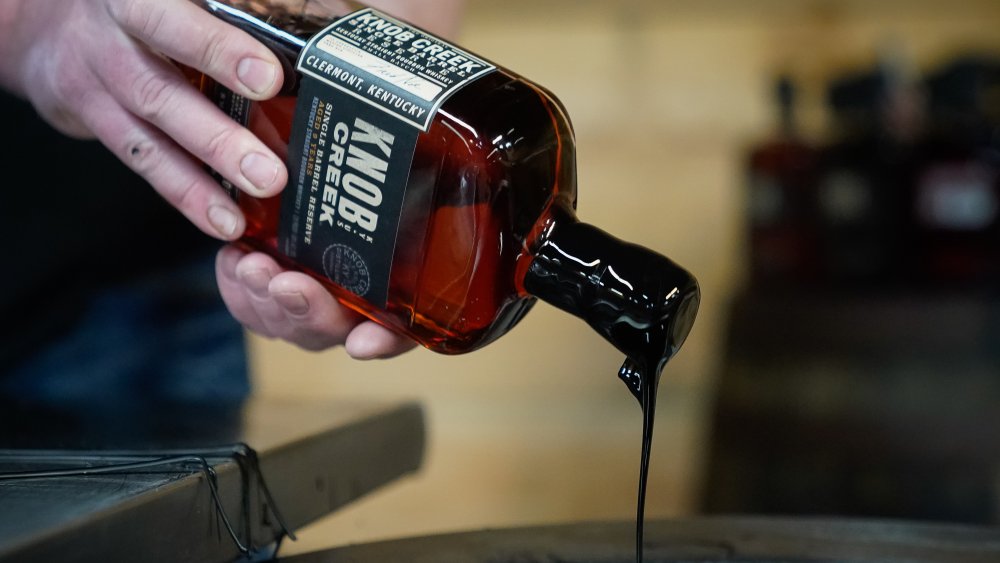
(425,181)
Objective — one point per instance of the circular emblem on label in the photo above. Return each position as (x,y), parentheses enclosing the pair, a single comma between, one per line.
(345,267)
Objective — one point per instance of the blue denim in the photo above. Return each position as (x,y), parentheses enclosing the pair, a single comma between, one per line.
(160,339)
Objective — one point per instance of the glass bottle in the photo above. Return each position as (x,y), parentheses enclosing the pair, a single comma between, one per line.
(782,169)
(487,222)
(864,178)
(956,204)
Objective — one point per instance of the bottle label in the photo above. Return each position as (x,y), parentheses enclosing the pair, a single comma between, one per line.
(370,85)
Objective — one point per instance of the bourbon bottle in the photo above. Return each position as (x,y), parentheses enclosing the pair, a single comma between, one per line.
(433,191)
(956,205)
(782,180)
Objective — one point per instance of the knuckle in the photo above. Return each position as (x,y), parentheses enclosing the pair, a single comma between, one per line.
(63,77)
(216,146)
(184,196)
(63,87)
(138,18)
(66,122)
(153,94)
(187,198)
(212,51)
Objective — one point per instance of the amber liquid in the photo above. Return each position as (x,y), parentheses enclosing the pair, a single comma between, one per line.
(491,192)
(497,157)
(783,242)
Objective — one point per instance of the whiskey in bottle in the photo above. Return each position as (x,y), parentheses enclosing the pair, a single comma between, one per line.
(781,170)
(491,184)
(956,203)
(486,220)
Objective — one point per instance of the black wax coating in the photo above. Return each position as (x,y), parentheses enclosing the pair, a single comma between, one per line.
(637,299)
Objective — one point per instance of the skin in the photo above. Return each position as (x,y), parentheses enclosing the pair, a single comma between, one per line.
(99,69)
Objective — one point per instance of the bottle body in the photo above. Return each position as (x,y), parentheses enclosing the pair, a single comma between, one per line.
(863,180)
(956,202)
(781,178)
(487,222)
(498,157)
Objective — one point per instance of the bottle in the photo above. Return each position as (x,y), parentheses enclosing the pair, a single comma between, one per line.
(863,182)
(956,206)
(782,169)
(485,207)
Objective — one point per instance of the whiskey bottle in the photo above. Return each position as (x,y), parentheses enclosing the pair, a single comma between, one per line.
(956,205)
(781,170)
(433,191)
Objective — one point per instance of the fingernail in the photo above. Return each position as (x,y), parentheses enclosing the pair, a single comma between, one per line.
(260,169)
(256,74)
(257,282)
(224,220)
(293,301)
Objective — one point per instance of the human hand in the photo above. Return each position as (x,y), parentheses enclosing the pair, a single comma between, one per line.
(99,69)
(292,306)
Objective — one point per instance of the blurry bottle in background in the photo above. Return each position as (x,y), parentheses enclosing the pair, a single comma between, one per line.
(781,180)
(956,207)
(864,179)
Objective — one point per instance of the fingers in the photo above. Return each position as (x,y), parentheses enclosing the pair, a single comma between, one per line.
(370,340)
(234,294)
(153,90)
(191,36)
(294,307)
(179,179)
(156,93)
(111,86)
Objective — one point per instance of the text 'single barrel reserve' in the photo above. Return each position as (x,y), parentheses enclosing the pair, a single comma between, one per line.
(435,192)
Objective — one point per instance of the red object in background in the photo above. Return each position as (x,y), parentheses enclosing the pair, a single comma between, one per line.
(956,202)
(781,181)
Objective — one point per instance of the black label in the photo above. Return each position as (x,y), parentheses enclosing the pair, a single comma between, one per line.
(370,85)
(340,211)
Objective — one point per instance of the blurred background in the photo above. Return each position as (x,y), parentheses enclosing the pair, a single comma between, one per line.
(828,171)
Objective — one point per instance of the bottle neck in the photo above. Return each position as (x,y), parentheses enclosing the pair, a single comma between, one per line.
(640,301)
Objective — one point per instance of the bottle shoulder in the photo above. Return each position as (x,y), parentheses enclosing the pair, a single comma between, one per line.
(519,133)
(510,116)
